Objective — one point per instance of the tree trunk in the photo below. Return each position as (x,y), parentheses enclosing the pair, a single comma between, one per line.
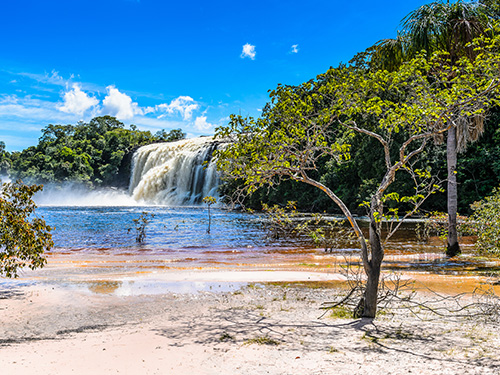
(209,219)
(453,247)
(373,275)
(371,293)
(367,307)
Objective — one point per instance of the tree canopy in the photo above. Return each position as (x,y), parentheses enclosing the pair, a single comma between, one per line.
(95,153)
(450,27)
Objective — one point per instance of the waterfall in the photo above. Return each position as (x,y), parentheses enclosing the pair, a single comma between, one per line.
(174,173)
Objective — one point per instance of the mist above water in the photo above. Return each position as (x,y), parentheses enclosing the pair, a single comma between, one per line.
(4,178)
(74,195)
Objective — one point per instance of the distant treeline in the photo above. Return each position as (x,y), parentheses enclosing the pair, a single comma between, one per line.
(97,153)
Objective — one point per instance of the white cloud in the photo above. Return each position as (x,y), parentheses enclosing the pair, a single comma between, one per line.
(185,105)
(52,78)
(119,105)
(77,102)
(295,48)
(62,100)
(148,109)
(30,109)
(201,123)
(248,51)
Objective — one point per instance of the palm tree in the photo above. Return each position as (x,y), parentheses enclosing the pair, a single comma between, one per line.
(493,7)
(449,27)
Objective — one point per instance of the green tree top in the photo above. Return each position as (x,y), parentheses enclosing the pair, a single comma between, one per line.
(93,153)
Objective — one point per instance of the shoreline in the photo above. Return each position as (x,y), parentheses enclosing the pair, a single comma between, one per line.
(427,270)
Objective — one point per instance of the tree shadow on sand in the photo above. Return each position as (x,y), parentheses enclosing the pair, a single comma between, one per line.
(412,341)
(241,326)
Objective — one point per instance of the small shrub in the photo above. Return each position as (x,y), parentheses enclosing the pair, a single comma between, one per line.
(485,223)
(340,312)
(287,223)
(209,200)
(226,337)
(140,226)
(436,224)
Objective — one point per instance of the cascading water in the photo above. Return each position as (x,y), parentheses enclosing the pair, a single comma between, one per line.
(174,173)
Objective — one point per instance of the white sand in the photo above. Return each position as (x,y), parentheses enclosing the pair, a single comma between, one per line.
(90,328)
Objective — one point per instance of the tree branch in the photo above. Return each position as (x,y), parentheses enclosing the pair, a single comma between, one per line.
(384,143)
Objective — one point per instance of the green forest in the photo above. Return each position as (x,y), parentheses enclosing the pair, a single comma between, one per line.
(95,154)
(478,173)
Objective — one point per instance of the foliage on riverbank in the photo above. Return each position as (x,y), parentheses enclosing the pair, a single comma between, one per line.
(23,237)
(478,173)
(485,224)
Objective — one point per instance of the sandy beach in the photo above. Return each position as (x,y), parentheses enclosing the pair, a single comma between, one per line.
(221,322)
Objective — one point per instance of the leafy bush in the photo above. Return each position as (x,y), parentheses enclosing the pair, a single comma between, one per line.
(287,223)
(435,224)
(23,237)
(485,223)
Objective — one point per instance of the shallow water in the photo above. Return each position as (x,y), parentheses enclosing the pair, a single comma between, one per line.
(96,253)
(93,241)
(172,229)
(136,287)
(176,237)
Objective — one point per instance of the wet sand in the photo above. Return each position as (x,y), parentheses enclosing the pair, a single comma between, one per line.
(110,314)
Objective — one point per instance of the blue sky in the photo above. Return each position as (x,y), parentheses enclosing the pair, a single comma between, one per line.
(164,64)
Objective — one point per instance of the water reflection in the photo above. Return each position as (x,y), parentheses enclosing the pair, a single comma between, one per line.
(104,287)
(136,287)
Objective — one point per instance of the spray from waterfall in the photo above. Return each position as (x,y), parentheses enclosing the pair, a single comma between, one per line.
(174,173)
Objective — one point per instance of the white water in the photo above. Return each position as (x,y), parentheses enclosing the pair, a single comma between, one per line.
(163,173)
(74,195)
(174,173)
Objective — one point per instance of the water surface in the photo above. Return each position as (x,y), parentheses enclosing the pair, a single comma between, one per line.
(112,229)
(103,239)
